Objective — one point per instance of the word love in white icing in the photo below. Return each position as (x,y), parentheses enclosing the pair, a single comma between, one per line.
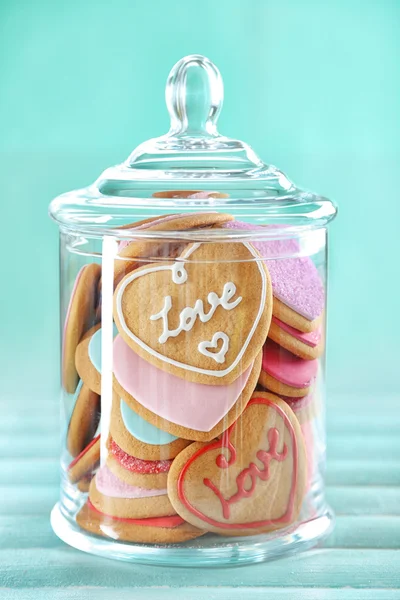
(189,315)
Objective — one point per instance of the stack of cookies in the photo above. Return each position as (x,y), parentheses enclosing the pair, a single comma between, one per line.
(215,358)
(81,323)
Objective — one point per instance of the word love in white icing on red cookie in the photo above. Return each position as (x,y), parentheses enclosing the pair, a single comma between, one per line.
(188,315)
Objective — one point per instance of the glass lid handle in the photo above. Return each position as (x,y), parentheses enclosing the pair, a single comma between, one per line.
(194,95)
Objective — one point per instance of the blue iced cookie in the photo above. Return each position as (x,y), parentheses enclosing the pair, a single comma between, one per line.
(88,358)
(139,438)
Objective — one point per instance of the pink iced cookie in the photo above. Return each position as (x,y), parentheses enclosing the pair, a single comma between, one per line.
(117,498)
(284,373)
(286,367)
(305,345)
(185,409)
(110,485)
(295,281)
(311,339)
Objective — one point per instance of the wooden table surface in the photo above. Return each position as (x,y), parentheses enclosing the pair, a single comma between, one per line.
(361,559)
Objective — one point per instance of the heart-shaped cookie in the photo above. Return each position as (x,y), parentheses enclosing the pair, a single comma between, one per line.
(251,480)
(185,409)
(204,317)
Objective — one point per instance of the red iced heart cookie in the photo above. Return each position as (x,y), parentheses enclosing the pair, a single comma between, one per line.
(159,530)
(137,465)
(251,480)
(149,474)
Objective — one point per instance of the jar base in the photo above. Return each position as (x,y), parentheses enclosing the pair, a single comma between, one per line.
(207,551)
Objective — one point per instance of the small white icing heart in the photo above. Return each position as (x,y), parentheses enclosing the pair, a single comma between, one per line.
(219,356)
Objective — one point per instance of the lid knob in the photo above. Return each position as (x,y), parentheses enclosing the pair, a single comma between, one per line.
(193,148)
(194,95)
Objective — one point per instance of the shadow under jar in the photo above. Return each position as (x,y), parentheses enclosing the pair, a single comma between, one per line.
(193,295)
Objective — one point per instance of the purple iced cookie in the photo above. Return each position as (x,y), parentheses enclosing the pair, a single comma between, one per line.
(295,281)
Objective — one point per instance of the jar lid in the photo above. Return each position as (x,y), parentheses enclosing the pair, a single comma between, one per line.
(191,168)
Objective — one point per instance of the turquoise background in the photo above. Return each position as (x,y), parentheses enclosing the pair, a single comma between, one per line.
(313,86)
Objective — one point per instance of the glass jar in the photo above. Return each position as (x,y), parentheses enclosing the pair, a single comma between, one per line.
(193,294)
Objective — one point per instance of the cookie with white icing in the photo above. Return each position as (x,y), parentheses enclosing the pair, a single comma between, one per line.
(201,318)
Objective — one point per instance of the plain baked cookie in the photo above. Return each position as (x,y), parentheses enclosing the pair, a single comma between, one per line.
(251,480)
(84,419)
(81,315)
(132,254)
(86,462)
